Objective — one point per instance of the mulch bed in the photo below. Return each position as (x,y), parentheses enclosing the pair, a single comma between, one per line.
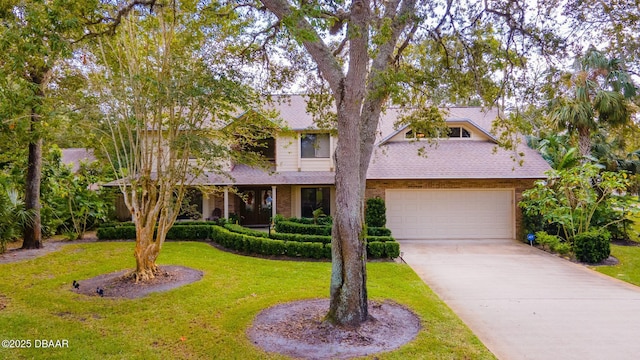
(120,285)
(297,329)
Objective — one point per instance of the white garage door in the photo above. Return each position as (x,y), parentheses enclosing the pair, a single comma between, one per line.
(450,214)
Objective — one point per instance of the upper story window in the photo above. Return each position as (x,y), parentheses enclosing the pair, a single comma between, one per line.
(459,132)
(266,148)
(454,132)
(410,135)
(314,146)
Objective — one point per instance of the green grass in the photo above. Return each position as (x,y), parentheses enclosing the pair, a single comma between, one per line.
(212,314)
(629,267)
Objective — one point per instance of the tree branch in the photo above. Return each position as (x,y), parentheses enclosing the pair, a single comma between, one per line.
(327,63)
(112,23)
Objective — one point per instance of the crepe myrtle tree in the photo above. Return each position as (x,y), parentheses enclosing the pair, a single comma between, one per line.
(160,105)
(367,54)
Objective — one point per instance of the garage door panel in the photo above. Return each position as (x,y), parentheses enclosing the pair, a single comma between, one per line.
(441,214)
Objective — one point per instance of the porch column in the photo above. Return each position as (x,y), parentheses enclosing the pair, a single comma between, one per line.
(226,202)
(273,202)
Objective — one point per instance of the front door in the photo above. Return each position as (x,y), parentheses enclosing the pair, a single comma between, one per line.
(255,206)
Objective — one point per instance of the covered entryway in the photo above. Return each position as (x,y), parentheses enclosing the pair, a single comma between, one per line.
(451,213)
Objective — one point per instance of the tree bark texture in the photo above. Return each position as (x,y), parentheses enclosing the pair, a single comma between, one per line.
(584,142)
(32,237)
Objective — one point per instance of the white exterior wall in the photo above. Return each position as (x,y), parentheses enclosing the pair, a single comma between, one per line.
(288,155)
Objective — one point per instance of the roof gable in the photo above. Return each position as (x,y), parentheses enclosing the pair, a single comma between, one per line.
(477,133)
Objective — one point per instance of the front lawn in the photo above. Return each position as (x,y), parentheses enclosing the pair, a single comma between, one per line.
(629,267)
(206,319)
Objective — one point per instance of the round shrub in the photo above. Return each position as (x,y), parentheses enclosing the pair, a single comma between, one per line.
(592,246)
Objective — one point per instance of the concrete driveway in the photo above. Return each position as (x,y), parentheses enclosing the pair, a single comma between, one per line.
(526,304)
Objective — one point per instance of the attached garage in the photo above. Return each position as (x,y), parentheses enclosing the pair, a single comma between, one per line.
(451,213)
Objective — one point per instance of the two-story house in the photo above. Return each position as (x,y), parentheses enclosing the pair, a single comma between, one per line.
(461,186)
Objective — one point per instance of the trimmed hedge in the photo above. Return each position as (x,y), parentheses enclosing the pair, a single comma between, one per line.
(193,232)
(323,220)
(302,238)
(314,250)
(292,227)
(238,238)
(375,212)
(246,231)
(116,232)
(592,246)
(177,223)
(378,231)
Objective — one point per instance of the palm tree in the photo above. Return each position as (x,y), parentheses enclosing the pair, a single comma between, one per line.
(602,89)
(556,150)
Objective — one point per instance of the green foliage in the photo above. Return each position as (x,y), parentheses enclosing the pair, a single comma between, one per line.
(392,249)
(71,203)
(556,150)
(301,238)
(571,199)
(552,243)
(375,249)
(596,97)
(294,245)
(295,227)
(325,220)
(243,230)
(116,232)
(317,215)
(290,227)
(191,232)
(375,214)
(378,231)
(13,215)
(592,246)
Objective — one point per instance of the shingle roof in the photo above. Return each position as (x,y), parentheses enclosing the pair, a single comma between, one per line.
(74,156)
(453,159)
(293,110)
(245,175)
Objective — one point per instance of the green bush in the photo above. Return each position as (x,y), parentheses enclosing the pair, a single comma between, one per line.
(192,232)
(290,227)
(306,227)
(375,250)
(116,232)
(297,245)
(375,214)
(380,238)
(301,238)
(592,246)
(552,243)
(392,249)
(323,220)
(246,231)
(378,231)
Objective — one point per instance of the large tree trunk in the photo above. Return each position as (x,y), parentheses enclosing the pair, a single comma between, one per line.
(348,303)
(33,231)
(146,252)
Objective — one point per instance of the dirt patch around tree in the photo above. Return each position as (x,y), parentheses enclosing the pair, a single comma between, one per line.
(297,329)
(120,285)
